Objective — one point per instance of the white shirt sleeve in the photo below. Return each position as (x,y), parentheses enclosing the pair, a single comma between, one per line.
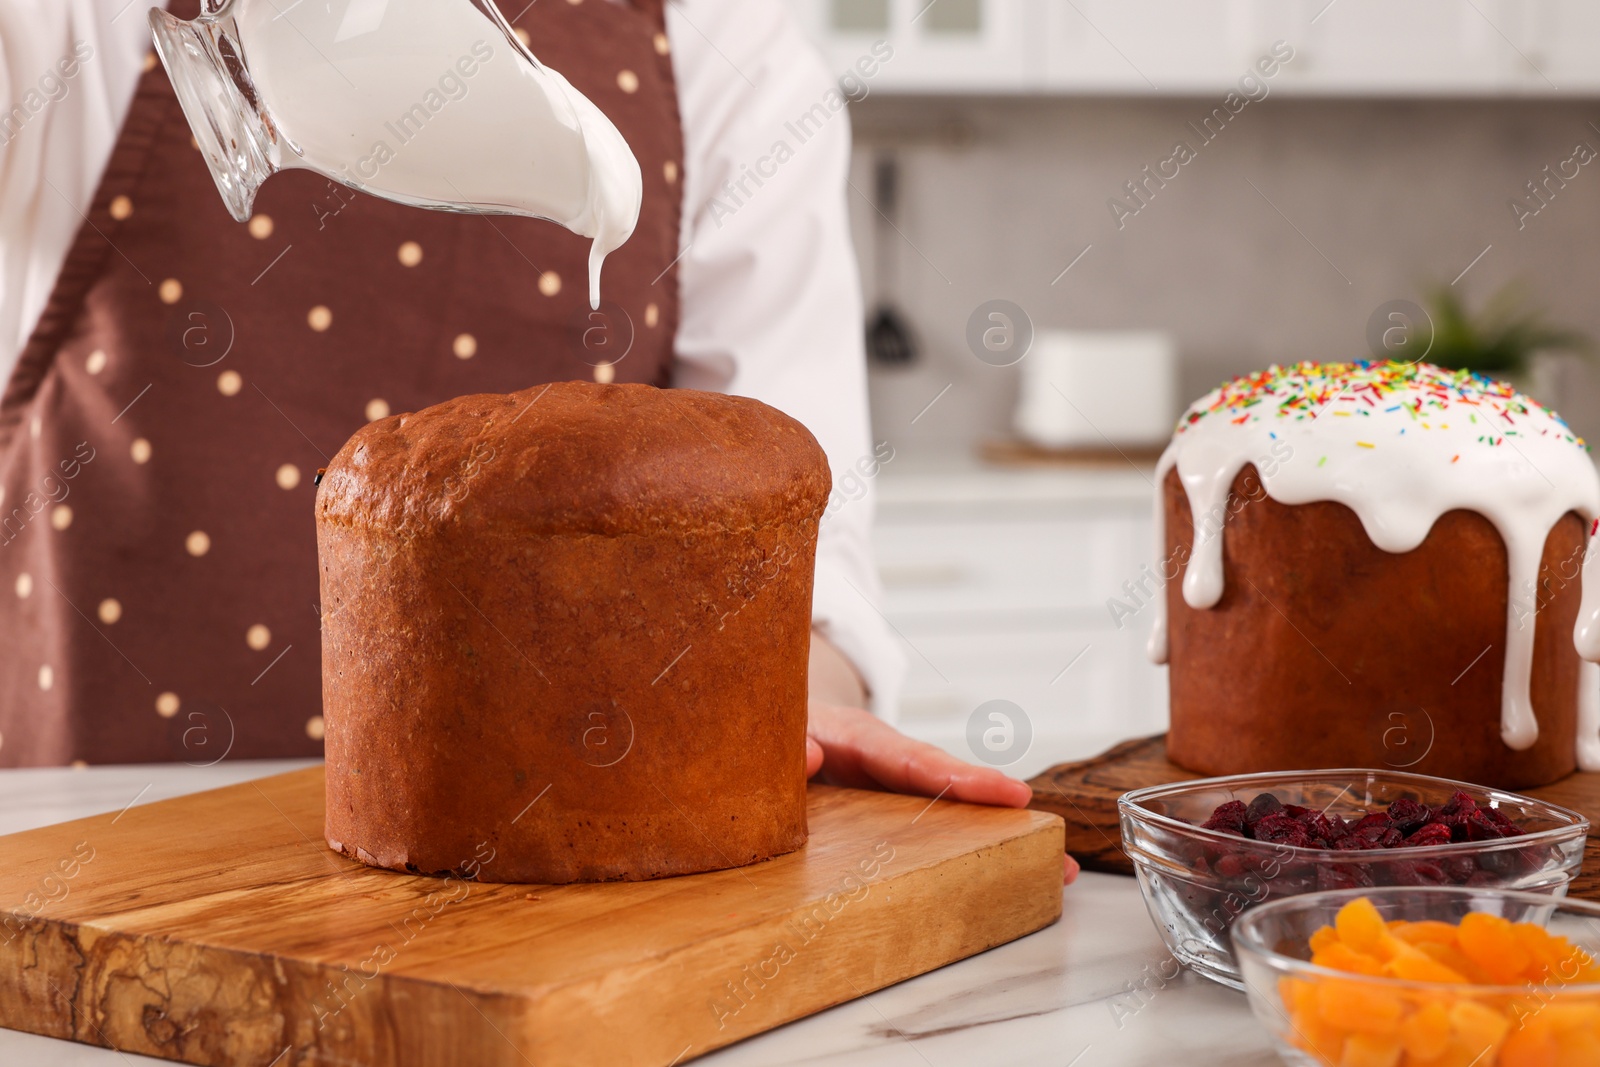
(68,69)
(770,294)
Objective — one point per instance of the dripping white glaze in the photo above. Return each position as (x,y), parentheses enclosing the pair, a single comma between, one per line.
(1586,635)
(615,186)
(1589,716)
(438,105)
(1399,446)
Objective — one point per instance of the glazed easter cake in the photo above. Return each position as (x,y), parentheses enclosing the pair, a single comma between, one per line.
(1379,564)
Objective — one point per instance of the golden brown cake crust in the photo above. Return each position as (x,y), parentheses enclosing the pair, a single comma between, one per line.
(568,628)
(578,457)
(1311,659)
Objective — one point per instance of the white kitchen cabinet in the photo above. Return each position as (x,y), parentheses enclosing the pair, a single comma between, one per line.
(1184,46)
(947,46)
(1008,566)
(1557,44)
(997,582)
(1389,47)
(1203,47)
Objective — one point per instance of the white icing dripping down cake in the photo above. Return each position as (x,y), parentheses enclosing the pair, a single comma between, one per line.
(1400,445)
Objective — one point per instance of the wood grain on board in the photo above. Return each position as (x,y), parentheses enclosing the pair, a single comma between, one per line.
(217,928)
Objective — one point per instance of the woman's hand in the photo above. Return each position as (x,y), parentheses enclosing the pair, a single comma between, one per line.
(850,746)
(847,745)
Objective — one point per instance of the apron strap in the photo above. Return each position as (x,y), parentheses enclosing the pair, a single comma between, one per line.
(94,245)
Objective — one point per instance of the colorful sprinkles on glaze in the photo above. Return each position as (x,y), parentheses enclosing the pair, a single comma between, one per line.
(1305,391)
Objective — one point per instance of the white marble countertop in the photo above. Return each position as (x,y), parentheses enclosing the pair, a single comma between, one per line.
(1089,991)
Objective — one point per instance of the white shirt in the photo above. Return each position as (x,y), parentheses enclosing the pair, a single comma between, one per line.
(771,298)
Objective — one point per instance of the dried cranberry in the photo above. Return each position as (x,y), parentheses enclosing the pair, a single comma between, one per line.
(1232,865)
(1533,859)
(1506,864)
(1411,872)
(1323,830)
(1279,829)
(1406,823)
(1431,834)
(1506,827)
(1336,878)
(1229,817)
(1407,814)
(1262,806)
(1480,828)
(1377,820)
(1431,873)
(1344,876)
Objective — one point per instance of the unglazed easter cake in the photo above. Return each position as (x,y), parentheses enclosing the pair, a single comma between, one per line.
(565,634)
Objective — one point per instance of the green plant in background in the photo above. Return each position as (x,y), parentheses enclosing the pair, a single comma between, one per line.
(1501,338)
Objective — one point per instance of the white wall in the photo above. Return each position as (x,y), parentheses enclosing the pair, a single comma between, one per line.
(1000,194)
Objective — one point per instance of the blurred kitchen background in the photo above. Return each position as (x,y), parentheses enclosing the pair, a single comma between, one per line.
(1407,148)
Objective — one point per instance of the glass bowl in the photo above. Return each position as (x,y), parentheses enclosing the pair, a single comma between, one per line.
(1197,881)
(1547,1021)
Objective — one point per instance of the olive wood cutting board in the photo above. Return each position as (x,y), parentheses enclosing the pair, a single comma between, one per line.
(217,928)
(1085,796)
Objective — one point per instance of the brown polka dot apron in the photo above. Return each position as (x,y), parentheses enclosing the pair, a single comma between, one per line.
(160,434)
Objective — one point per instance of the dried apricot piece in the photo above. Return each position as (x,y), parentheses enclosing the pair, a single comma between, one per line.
(1342,957)
(1478,1028)
(1358,1007)
(1347,1022)
(1426,1033)
(1324,937)
(1361,927)
(1578,1048)
(1417,966)
(1489,941)
(1292,990)
(1453,958)
(1571,963)
(1532,1046)
(1550,955)
(1428,930)
(1316,1036)
(1571,1013)
(1458,1054)
(1371,1050)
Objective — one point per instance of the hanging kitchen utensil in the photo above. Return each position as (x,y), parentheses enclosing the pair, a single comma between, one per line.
(889,338)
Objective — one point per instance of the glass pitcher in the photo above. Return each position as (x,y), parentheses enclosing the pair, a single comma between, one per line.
(433,103)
